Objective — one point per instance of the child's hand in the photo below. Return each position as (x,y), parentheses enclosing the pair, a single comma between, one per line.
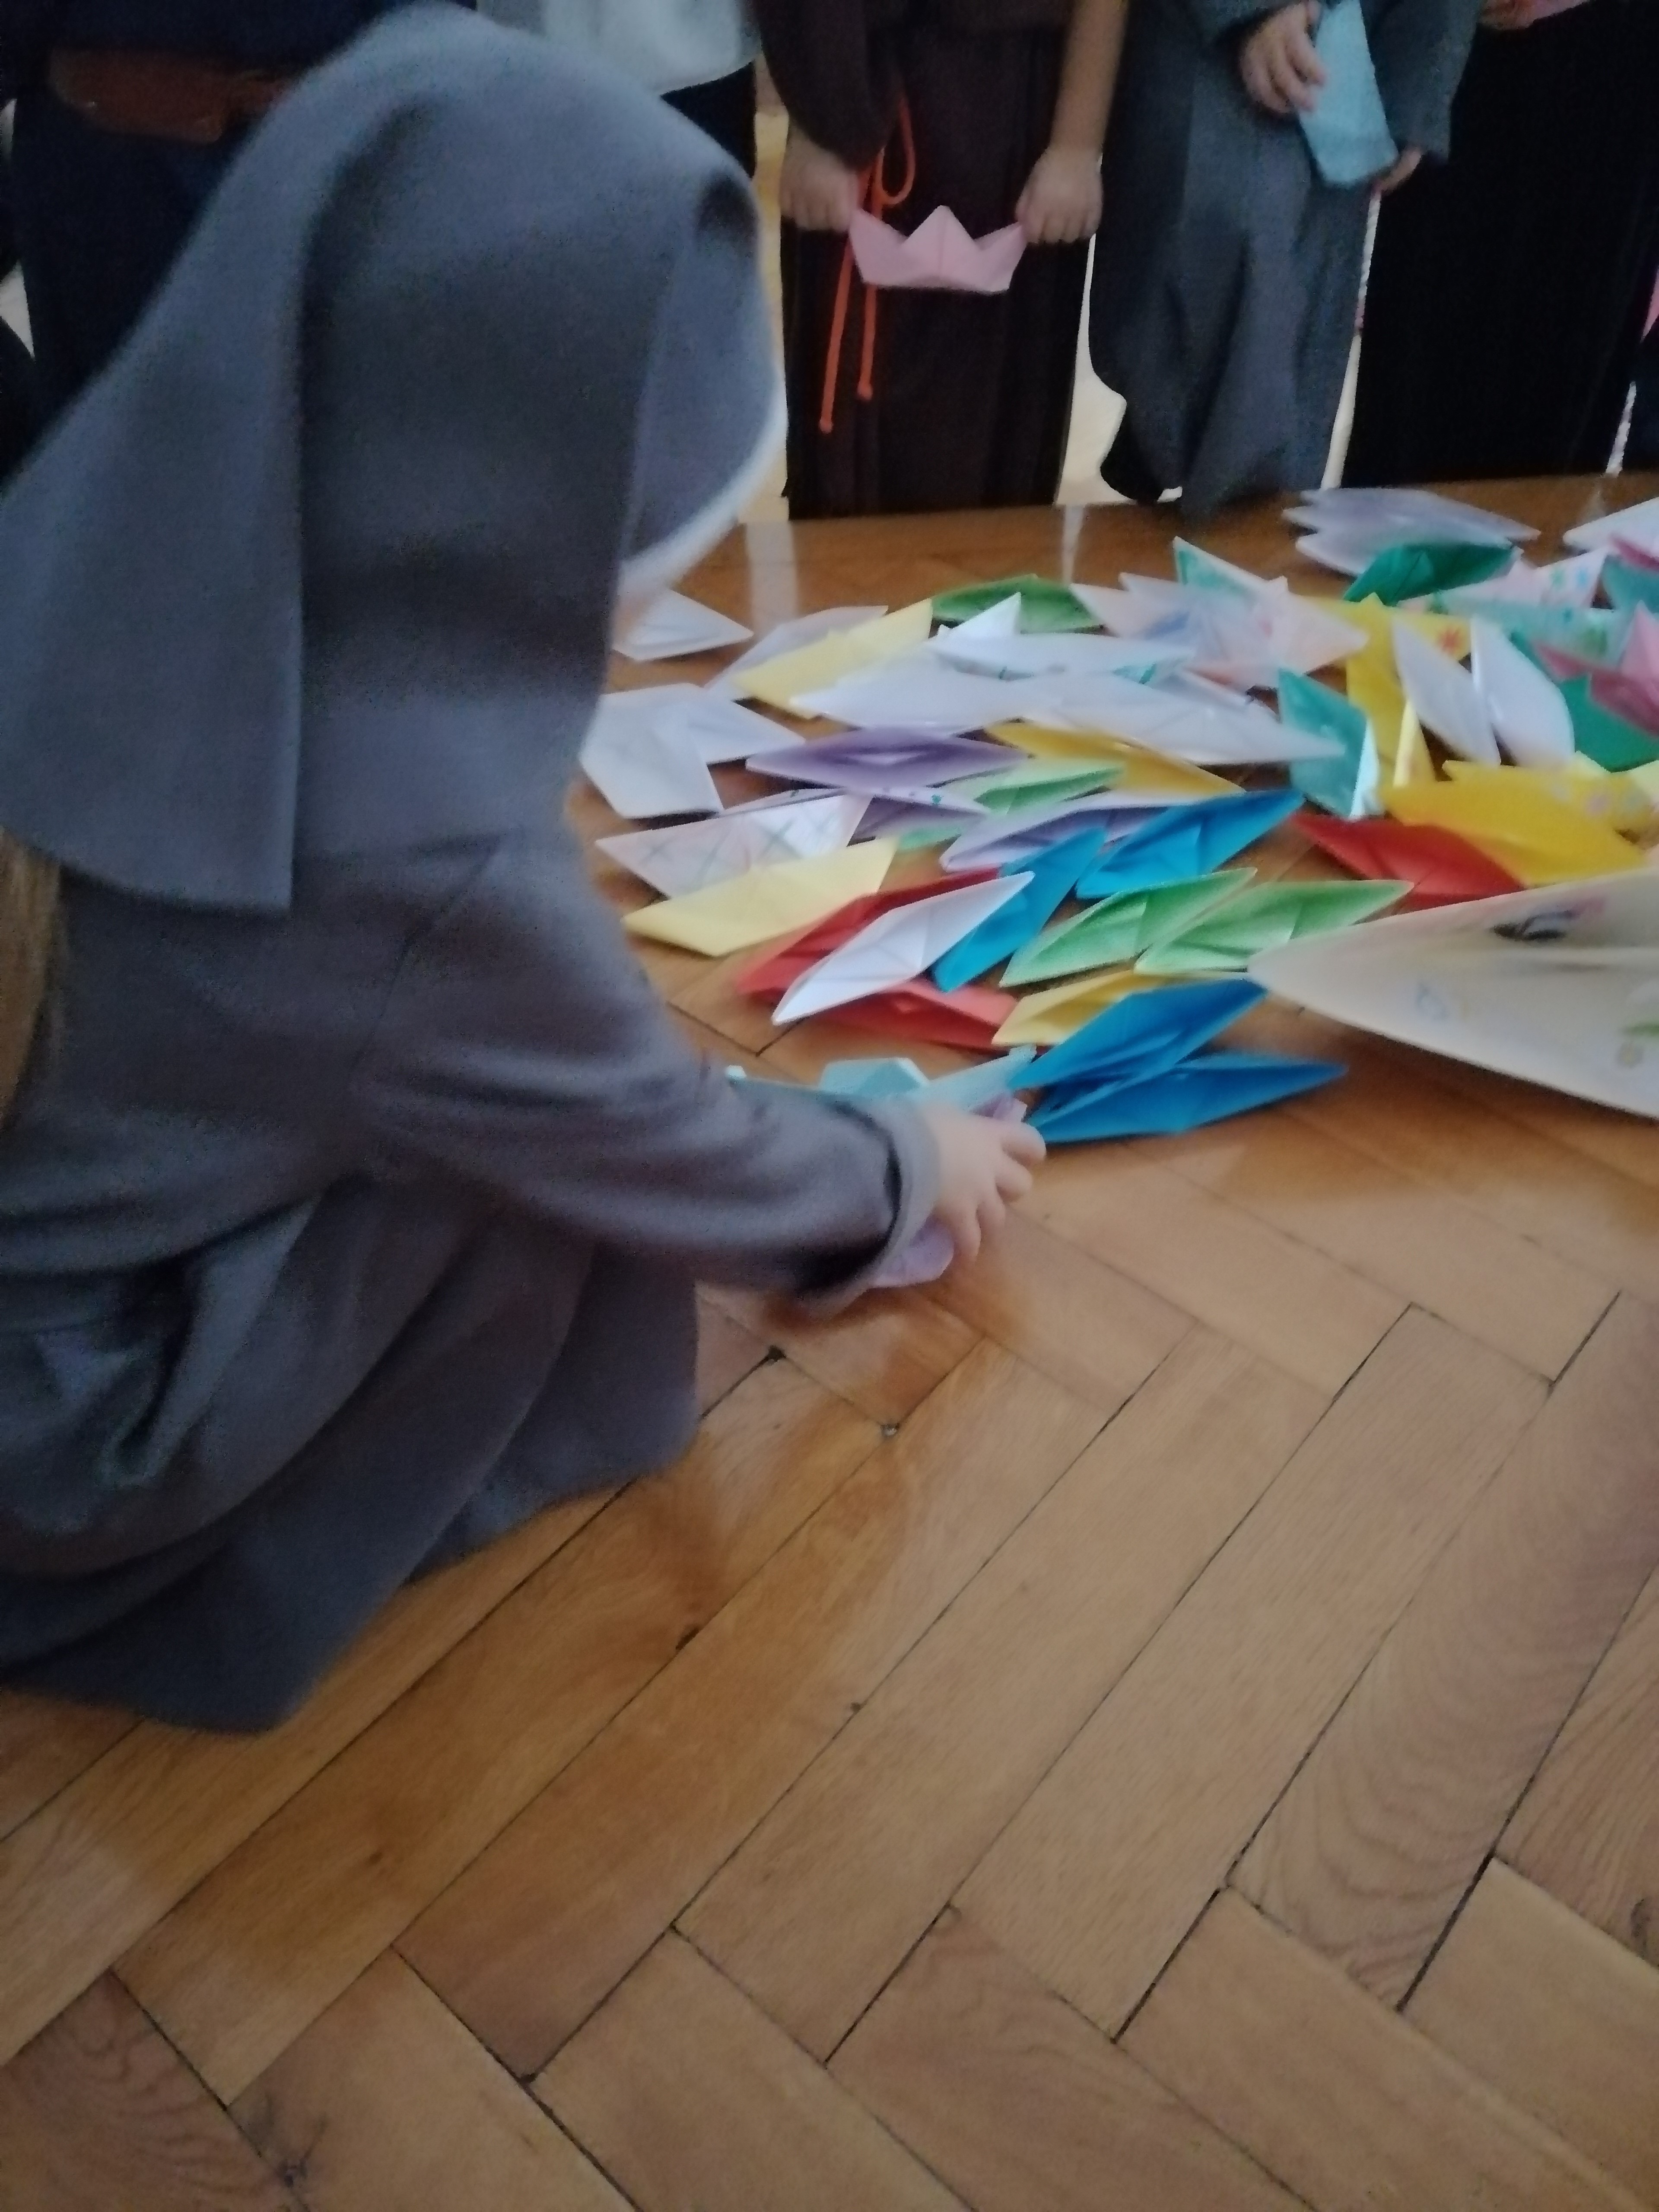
(1060,203)
(982,1164)
(1404,168)
(1281,71)
(815,190)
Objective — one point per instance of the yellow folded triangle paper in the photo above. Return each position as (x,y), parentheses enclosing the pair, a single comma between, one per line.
(1050,1017)
(1618,799)
(767,903)
(815,667)
(1516,822)
(1141,769)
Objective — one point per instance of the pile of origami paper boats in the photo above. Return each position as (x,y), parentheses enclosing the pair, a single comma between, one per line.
(1098,891)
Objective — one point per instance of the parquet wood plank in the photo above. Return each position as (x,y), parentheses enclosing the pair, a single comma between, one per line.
(1386,1826)
(1587,1830)
(1316,1319)
(547,1922)
(823,1903)
(1335,2094)
(708,995)
(43,1745)
(1020,2105)
(883,1355)
(387,2105)
(115,1850)
(726,1353)
(1096,1334)
(97,2115)
(1110,1861)
(697,2103)
(287,1922)
(1558,2017)
(1623,1142)
(1405,1114)
(1496,1285)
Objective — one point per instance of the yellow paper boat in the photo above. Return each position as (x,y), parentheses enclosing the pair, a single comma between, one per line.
(1619,800)
(1523,828)
(1050,1017)
(814,667)
(1139,769)
(1373,680)
(767,903)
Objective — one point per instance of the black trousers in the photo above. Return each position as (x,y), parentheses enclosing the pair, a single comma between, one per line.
(725,110)
(99,217)
(1508,288)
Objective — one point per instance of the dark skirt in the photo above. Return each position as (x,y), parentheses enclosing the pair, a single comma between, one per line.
(972,396)
(1509,289)
(723,110)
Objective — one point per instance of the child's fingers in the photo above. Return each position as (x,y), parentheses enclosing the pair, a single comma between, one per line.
(1024,1143)
(1014,1181)
(1258,81)
(962,1222)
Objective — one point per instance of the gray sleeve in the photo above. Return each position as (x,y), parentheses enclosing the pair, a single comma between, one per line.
(1420,48)
(522,1050)
(1217,19)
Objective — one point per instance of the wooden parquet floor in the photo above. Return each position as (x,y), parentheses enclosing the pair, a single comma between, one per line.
(1169,1719)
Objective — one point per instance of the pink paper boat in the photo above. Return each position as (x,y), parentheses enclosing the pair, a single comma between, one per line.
(939,255)
(1641,660)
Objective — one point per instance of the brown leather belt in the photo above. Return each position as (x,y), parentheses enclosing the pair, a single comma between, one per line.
(163,95)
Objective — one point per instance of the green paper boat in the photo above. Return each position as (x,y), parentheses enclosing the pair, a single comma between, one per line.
(1602,736)
(1628,587)
(1044,606)
(1347,786)
(1045,783)
(1269,916)
(1415,572)
(1593,634)
(1116,931)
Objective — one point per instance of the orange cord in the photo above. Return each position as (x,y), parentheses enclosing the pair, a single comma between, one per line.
(875,199)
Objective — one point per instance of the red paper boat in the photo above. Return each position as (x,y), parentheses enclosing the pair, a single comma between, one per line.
(1443,869)
(968,1018)
(770,976)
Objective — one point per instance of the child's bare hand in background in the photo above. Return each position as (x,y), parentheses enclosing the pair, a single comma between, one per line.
(1281,71)
(1403,170)
(1061,204)
(817,190)
(983,1165)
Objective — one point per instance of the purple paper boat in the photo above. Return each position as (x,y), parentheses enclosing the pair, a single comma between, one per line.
(883,761)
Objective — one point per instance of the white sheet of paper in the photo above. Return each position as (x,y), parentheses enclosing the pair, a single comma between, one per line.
(920,691)
(1442,694)
(1388,515)
(694,854)
(1569,583)
(673,625)
(1528,715)
(1567,996)
(1241,638)
(641,769)
(999,619)
(1634,525)
(1062,653)
(1187,718)
(894,948)
(717,730)
(790,636)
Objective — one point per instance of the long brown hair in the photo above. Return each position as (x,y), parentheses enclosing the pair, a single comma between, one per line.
(28,938)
